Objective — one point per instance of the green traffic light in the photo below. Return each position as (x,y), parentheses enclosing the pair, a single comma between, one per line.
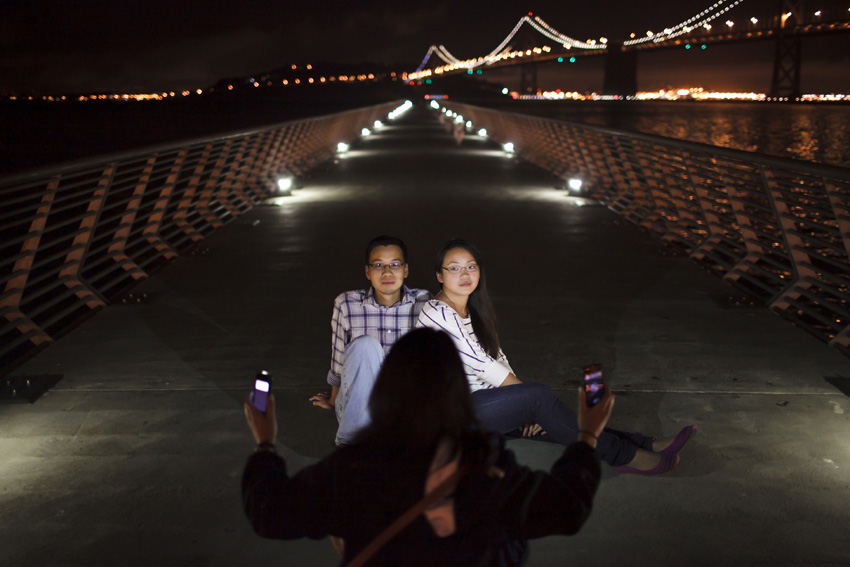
(560,59)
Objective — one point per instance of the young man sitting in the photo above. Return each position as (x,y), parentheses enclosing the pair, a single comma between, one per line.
(365,325)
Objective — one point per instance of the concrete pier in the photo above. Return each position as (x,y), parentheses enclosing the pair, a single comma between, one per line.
(134,457)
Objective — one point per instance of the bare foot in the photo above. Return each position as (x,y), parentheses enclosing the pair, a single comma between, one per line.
(674,444)
(644,460)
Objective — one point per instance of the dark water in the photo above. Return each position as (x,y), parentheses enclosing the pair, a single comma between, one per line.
(810,132)
(35,135)
(38,134)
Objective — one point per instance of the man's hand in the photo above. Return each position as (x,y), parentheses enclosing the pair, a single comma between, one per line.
(531,429)
(322,400)
(263,426)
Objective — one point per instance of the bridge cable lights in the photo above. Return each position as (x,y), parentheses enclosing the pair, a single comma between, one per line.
(499,53)
(700,20)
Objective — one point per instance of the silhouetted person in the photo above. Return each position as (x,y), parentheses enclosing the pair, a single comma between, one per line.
(423,430)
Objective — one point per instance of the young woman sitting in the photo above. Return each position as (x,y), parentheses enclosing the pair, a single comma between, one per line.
(502,402)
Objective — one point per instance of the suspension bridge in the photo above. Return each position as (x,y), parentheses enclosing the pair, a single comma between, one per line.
(711,26)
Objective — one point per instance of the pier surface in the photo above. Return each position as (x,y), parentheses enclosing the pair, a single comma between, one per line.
(135,456)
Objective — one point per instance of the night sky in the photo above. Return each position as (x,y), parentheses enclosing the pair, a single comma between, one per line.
(54,46)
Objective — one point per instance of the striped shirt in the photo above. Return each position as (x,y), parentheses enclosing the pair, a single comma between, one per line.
(482,370)
(356,313)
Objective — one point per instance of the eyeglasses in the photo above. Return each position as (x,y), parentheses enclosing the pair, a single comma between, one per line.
(471,268)
(379,267)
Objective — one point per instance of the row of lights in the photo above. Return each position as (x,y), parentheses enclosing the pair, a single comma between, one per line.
(174,94)
(574,184)
(285,183)
(312,80)
(689,94)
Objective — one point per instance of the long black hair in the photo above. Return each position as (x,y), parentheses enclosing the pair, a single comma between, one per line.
(421,394)
(480,307)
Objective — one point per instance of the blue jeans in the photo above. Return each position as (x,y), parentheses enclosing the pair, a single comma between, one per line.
(363,358)
(505,409)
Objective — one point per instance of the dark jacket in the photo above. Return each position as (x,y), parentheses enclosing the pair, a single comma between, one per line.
(358,490)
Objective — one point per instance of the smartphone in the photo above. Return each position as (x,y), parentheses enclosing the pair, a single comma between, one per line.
(594,386)
(262,386)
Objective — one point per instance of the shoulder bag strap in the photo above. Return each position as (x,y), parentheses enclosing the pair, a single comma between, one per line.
(403,520)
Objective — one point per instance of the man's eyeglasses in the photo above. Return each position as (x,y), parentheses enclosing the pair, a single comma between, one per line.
(458,269)
(379,267)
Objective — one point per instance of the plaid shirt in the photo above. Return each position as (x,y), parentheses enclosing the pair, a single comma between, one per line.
(356,313)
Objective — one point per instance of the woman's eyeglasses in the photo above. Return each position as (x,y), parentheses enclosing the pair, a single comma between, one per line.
(458,269)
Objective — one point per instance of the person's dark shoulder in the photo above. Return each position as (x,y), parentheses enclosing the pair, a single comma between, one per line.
(484,449)
(371,453)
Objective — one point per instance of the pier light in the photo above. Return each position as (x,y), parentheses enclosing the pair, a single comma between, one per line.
(482,133)
(469,124)
(459,119)
(574,184)
(365,132)
(435,105)
(284,185)
(341,148)
(509,148)
(377,125)
(505,91)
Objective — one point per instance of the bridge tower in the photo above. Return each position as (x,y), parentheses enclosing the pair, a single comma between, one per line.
(786,59)
(620,71)
(528,78)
